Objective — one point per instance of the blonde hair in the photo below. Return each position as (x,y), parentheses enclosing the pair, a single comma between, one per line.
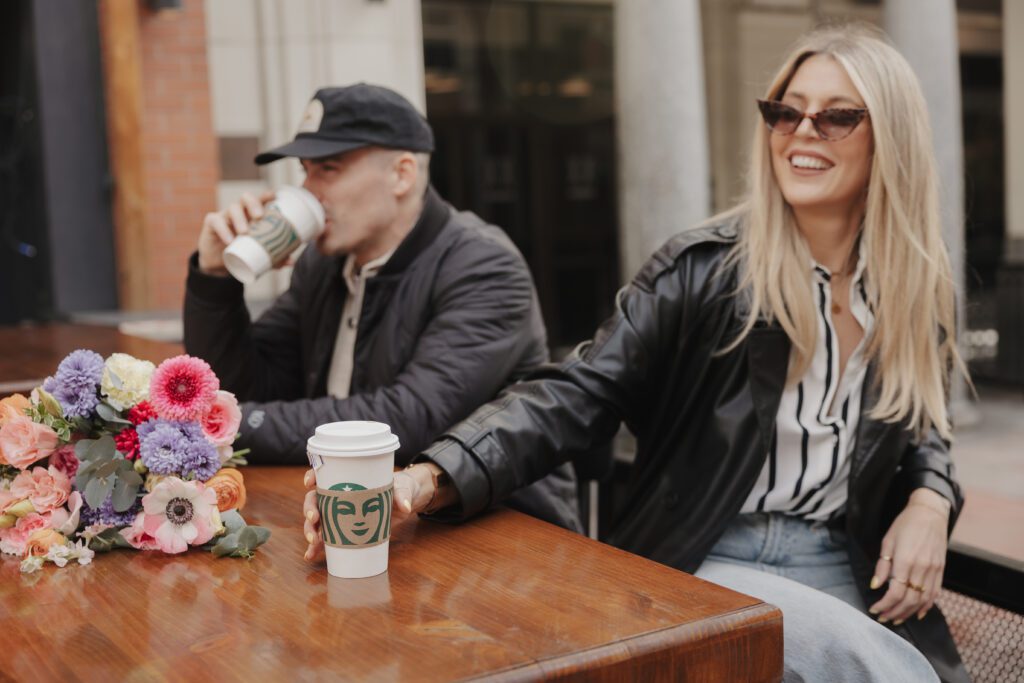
(909,282)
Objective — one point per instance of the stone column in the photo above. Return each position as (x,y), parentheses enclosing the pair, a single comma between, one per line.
(925,32)
(662,124)
(1013,112)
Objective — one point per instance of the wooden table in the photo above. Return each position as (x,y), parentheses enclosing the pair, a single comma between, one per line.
(504,596)
(30,353)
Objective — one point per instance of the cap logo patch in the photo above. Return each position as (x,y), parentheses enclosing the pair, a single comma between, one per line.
(311,119)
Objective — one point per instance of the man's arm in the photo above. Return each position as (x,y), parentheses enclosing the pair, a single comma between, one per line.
(483,302)
(253,360)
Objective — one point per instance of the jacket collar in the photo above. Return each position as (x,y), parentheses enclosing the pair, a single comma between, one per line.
(432,220)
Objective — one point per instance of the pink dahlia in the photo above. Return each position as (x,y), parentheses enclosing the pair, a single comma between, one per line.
(183,388)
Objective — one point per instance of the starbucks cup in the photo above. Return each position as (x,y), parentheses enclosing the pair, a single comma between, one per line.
(294,217)
(354,464)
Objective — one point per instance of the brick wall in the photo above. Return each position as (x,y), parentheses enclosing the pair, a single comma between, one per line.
(179,148)
(179,164)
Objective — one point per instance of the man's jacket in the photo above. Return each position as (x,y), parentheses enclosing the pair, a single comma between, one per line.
(450,319)
(703,422)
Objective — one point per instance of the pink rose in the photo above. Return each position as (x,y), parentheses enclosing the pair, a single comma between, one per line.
(64,460)
(65,520)
(14,540)
(47,489)
(220,424)
(136,535)
(23,442)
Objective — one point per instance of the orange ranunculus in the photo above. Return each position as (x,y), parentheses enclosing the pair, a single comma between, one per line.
(230,489)
(13,406)
(40,541)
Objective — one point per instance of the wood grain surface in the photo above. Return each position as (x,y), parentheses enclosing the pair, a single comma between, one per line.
(505,597)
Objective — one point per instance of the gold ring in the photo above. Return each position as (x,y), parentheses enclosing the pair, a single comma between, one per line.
(917,587)
(901,581)
(887,558)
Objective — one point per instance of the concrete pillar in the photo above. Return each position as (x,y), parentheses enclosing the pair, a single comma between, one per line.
(662,135)
(1013,109)
(925,32)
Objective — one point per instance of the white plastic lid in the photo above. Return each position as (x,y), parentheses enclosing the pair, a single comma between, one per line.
(246,259)
(353,438)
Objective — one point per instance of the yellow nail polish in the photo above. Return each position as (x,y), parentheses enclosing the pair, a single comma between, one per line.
(311,515)
(921,616)
(874,610)
(875,582)
(310,537)
(882,620)
(897,623)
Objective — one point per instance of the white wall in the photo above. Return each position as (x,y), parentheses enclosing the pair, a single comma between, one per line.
(268,57)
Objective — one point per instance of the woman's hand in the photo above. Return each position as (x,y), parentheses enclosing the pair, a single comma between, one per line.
(414,492)
(913,558)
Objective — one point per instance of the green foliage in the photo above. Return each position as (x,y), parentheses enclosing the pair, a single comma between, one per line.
(104,472)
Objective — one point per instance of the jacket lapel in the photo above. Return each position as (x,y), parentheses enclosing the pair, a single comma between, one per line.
(767,361)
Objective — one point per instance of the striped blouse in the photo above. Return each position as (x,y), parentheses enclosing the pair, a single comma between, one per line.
(808,465)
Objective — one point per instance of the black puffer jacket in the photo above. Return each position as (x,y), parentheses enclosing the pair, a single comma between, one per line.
(451,318)
(703,424)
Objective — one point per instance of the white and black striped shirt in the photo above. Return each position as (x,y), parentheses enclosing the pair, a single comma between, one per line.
(808,465)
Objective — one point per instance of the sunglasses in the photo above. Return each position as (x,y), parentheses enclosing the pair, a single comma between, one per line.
(831,124)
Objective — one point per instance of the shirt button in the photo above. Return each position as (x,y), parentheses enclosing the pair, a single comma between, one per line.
(352,323)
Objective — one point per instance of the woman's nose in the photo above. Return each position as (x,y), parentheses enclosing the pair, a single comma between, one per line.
(806,128)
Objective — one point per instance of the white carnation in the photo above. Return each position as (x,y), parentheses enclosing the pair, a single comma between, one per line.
(126,380)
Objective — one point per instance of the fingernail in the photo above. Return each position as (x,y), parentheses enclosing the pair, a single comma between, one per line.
(310,515)
(407,504)
(882,620)
(310,537)
(897,623)
(309,553)
(875,582)
(874,610)
(921,616)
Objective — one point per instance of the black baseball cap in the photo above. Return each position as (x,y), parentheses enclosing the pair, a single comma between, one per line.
(342,119)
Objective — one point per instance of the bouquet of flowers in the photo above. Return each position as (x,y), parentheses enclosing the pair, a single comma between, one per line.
(122,454)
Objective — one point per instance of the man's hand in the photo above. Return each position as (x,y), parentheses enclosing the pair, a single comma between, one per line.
(913,558)
(414,491)
(221,227)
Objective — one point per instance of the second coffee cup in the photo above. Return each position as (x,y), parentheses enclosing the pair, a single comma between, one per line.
(294,217)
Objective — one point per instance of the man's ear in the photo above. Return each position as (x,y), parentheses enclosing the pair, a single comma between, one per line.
(406,172)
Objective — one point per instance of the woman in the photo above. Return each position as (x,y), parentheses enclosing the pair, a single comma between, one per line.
(785,369)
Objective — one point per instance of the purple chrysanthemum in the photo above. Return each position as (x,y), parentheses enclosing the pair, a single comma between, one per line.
(202,461)
(180,448)
(76,383)
(162,446)
(105,513)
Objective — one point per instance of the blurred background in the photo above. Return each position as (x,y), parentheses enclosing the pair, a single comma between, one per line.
(590,130)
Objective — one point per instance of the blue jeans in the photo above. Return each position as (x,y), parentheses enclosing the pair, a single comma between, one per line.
(803,569)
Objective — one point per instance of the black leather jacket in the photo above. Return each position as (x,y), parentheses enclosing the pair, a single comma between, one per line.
(703,424)
(450,319)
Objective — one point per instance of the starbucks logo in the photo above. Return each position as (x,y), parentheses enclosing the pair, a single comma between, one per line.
(354,516)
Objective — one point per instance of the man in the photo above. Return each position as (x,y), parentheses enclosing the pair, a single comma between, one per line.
(405,312)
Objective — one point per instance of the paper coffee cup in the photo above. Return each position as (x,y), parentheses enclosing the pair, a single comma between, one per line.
(294,217)
(354,464)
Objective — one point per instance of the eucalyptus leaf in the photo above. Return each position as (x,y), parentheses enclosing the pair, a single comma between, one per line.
(248,539)
(124,495)
(106,469)
(232,521)
(108,414)
(130,476)
(226,546)
(97,491)
(262,534)
(82,449)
